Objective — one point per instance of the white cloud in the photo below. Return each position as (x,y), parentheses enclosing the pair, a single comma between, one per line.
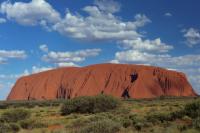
(104,25)
(32,13)
(110,6)
(66,64)
(147,45)
(99,25)
(68,56)
(2,20)
(15,54)
(36,69)
(164,60)
(44,48)
(167,14)
(192,36)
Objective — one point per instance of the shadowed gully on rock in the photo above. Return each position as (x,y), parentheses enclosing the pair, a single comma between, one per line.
(120,80)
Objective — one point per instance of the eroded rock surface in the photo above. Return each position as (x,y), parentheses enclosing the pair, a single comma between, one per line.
(113,79)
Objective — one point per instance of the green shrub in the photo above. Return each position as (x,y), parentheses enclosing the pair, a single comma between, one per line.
(29,104)
(31,124)
(177,114)
(182,127)
(9,127)
(15,115)
(104,103)
(4,128)
(86,104)
(134,119)
(196,123)
(77,123)
(193,109)
(157,117)
(126,123)
(14,127)
(138,126)
(26,124)
(104,126)
(3,106)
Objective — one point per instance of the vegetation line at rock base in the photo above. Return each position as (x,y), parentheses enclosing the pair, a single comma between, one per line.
(102,114)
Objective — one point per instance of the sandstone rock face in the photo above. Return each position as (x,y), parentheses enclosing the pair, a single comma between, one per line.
(112,79)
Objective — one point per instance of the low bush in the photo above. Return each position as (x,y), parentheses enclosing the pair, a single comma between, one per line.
(157,118)
(196,123)
(86,104)
(14,127)
(4,128)
(182,128)
(30,104)
(77,123)
(31,124)
(103,103)
(126,123)
(177,114)
(193,109)
(138,126)
(15,115)
(103,126)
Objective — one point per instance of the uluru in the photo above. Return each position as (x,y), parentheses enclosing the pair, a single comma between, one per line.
(135,81)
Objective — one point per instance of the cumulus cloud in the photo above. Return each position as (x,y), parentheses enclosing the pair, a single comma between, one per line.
(36,69)
(2,20)
(12,54)
(147,45)
(164,60)
(110,6)
(192,36)
(100,23)
(68,58)
(32,13)
(167,14)
(44,48)
(67,64)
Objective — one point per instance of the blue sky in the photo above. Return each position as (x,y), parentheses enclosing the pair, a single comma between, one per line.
(38,35)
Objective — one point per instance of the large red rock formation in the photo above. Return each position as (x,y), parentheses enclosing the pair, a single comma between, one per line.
(111,79)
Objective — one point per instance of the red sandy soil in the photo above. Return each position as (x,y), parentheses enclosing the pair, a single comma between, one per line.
(112,79)
(54,127)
